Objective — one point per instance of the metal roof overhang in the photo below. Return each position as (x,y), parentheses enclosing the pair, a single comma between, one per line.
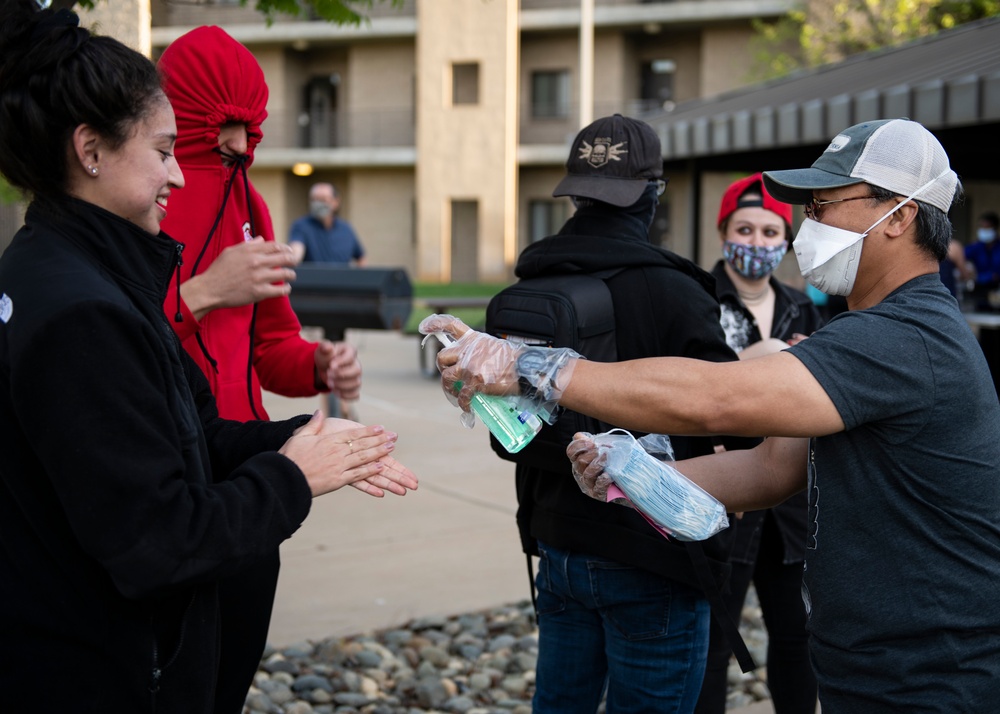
(949,82)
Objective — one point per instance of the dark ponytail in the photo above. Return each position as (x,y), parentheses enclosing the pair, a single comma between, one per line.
(54,76)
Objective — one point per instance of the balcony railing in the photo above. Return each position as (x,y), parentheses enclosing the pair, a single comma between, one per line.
(561,129)
(340,129)
(547,4)
(229,12)
(395,127)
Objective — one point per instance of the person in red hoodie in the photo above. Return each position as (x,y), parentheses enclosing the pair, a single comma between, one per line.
(229,304)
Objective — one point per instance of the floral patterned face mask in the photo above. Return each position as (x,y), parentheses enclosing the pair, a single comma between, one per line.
(753,261)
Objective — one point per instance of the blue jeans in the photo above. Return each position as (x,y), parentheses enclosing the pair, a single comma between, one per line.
(603,623)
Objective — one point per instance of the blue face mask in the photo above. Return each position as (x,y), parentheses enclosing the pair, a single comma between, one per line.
(986,235)
(753,261)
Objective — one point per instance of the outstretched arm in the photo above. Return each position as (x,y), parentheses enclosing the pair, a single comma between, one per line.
(774,395)
(743,480)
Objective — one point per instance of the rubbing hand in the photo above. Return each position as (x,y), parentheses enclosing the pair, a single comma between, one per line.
(333,453)
(242,274)
(338,367)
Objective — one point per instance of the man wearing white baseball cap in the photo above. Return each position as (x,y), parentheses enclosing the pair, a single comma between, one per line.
(887,416)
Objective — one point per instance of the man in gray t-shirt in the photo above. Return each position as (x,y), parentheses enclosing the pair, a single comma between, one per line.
(888,416)
(903,555)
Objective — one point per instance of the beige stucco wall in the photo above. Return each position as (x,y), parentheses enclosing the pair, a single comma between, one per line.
(553,52)
(466,152)
(684,48)
(726,58)
(678,196)
(380,76)
(535,183)
(270,184)
(380,206)
(128,21)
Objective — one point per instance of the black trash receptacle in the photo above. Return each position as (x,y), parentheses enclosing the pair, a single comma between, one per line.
(336,298)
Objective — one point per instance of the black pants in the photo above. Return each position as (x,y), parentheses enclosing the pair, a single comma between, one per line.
(779,589)
(245,603)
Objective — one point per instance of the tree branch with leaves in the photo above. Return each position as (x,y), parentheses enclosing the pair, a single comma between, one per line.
(338,12)
(820,32)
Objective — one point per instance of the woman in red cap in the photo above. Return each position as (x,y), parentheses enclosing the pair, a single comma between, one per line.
(762,315)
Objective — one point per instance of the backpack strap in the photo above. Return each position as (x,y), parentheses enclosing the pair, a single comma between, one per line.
(531,586)
(719,609)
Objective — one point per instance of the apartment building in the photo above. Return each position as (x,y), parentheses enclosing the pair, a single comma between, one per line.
(445,123)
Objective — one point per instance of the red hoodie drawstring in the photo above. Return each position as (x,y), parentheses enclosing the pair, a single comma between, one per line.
(253,313)
(178,317)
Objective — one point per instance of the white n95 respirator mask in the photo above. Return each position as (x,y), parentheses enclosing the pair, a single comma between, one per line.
(828,256)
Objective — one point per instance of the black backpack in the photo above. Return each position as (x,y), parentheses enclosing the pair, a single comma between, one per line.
(573,311)
(577,311)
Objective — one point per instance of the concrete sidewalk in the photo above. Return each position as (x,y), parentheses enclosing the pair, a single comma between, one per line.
(360,563)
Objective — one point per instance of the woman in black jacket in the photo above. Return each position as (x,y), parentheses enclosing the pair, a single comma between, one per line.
(123,497)
(761,315)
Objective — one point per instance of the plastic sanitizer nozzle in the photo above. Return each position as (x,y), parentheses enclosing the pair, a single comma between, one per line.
(512,425)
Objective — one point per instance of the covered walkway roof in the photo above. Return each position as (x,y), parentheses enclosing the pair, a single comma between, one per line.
(950,82)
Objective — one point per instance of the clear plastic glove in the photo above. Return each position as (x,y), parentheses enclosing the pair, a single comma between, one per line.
(637,468)
(588,466)
(588,462)
(478,362)
(665,496)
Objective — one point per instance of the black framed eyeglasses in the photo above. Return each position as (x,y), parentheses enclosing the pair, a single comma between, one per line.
(812,208)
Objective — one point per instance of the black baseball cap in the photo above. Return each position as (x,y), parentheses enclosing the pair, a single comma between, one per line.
(612,160)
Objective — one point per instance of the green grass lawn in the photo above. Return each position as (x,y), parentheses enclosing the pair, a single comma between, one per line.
(470,316)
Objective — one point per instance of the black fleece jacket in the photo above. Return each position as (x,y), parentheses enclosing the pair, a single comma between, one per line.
(123,496)
(664,306)
(794,313)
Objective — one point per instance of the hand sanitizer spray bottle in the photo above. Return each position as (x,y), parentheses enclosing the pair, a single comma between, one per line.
(512,426)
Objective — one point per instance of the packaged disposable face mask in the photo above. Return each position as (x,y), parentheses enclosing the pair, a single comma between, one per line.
(662,494)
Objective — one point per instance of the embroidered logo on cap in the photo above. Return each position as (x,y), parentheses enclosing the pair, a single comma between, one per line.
(602,151)
(840,141)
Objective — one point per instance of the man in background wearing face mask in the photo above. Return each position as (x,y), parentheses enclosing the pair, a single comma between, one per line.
(761,315)
(897,448)
(984,256)
(322,237)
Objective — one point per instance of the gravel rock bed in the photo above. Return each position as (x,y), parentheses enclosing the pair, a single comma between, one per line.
(477,663)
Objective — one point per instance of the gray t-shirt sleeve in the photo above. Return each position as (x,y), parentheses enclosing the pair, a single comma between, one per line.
(874,368)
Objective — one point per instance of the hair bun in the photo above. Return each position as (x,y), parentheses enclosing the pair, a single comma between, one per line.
(57,20)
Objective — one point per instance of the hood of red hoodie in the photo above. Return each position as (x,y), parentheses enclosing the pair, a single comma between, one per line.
(211,80)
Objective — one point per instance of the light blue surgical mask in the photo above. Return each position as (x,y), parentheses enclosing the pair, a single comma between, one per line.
(661,493)
(986,235)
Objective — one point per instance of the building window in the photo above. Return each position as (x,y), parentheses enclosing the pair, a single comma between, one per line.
(657,84)
(550,94)
(545,218)
(464,241)
(465,83)
(319,115)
